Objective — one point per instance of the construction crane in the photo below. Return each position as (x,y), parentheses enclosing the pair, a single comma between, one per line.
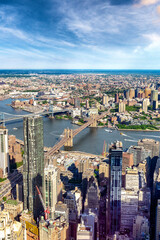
(46,210)
(104,153)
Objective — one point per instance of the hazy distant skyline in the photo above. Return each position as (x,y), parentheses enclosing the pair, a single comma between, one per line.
(80,34)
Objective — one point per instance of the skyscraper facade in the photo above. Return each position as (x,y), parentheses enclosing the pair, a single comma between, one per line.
(4,155)
(50,188)
(115,157)
(33,165)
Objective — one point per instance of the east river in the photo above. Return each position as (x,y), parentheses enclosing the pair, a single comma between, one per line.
(90,140)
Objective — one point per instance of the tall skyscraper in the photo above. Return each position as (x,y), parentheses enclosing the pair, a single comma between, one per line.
(131,93)
(145,105)
(105,99)
(4,155)
(33,165)
(116,98)
(154,95)
(121,107)
(115,157)
(157,234)
(50,188)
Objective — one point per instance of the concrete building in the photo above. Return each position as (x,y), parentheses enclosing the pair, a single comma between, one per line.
(57,230)
(157,233)
(33,165)
(116,98)
(105,100)
(154,95)
(9,230)
(150,144)
(75,112)
(50,188)
(140,154)
(13,207)
(132,179)
(115,158)
(155,105)
(131,93)
(4,154)
(147,92)
(145,105)
(144,201)
(92,199)
(87,104)
(61,210)
(93,111)
(87,229)
(121,107)
(77,102)
(15,154)
(141,228)
(129,209)
(127,160)
(74,204)
(104,170)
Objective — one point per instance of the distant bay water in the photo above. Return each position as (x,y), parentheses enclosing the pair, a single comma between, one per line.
(6,73)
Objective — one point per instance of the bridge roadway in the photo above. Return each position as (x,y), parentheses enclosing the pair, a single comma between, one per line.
(61,143)
(31,114)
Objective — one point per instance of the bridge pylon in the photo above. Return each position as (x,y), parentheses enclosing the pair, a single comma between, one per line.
(69,134)
(94,123)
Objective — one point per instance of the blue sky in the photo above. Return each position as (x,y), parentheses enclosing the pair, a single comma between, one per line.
(79,34)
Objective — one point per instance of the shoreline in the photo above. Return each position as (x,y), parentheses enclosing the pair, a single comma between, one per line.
(138,130)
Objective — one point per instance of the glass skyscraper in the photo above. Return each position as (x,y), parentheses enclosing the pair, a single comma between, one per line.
(33,165)
(115,182)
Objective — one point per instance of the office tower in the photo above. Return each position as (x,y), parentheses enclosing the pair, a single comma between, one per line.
(4,155)
(137,91)
(73,200)
(154,95)
(127,160)
(141,228)
(92,199)
(131,93)
(147,92)
(126,94)
(50,188)
(132,179)
(121,107)
(116,98)
(76,102)
(105,99)
(155,105)
(115,182)
(145,105)
(150,144)
(104,170)
(33,165)
(129,209)
(139,154)
(157,237)
(87,104)
(87,229)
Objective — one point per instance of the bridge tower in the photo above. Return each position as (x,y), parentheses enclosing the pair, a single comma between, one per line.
(2,119)
(51,115)
(69,134)
(94,123)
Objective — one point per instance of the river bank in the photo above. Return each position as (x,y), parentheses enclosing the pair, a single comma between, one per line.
(138,130)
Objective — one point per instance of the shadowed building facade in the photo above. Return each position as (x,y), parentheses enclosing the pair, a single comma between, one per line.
(33,165)
(115,183)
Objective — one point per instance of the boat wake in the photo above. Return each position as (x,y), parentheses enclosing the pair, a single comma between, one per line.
(130,140)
